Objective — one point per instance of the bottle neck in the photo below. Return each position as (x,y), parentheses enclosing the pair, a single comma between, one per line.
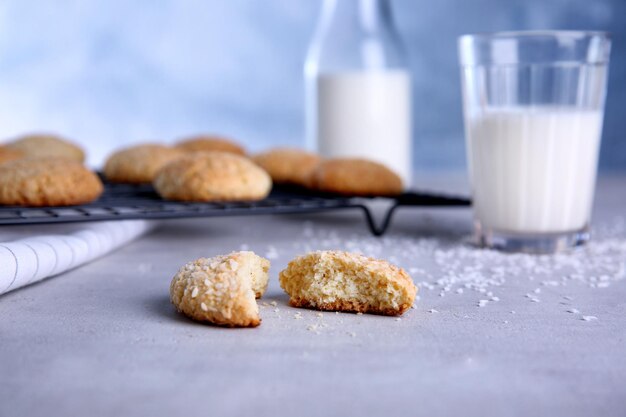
(355,35)
(368,15)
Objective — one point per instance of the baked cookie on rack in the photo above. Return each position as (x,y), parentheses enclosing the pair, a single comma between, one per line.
(288,165)
(222,290)
(43,145)
(139,164)
(208,143)
(47,182)
(356,177)
(343,281)
(212,176)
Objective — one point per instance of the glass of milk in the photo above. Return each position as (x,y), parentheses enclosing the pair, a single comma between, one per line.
(359,86)
(533,108)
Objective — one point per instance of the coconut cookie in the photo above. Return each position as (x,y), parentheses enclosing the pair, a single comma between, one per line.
(222,290)
(47,182)
(139,164)
(47,146)
(358,177)
(342,281)
(288,166)
(212,176)
(208,143)
(8,154)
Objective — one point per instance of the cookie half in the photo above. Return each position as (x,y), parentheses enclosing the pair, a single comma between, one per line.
(222,290)
(47,182)
(288,166)
(213,176)
(139,164)
(343,281)
(47,146)
(356,177)
(209,143)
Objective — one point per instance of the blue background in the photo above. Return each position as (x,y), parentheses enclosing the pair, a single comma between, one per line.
(109,73)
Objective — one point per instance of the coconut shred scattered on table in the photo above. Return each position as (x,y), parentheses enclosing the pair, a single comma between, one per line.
(447,268)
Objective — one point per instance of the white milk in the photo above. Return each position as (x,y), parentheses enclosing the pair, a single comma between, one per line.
(365,114)
(534,170)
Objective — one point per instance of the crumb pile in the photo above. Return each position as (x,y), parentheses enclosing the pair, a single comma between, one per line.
(447,268)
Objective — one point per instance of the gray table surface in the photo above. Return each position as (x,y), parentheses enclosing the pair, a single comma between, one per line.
(104,340)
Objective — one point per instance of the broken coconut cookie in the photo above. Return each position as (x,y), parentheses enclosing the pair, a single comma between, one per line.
(342,281)
(222,290)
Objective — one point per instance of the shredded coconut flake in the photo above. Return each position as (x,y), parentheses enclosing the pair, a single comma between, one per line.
(444,266)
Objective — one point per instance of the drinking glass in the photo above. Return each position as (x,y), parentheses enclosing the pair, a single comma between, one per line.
(533,109)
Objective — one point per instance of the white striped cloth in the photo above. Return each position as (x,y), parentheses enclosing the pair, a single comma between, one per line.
(30,259)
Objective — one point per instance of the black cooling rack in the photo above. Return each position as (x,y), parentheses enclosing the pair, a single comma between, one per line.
(123,202)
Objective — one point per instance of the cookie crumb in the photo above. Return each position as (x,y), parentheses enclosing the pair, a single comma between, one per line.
(313,328)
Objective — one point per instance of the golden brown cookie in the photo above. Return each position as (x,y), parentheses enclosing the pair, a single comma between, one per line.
(356,177)
(288,166)
(139,164)
(8,154)
(209,143)
(342,281)
(212,176)
(222,290)
(47,182)
(47,146)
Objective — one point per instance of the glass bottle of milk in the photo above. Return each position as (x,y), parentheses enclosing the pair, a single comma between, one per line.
(359,86)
